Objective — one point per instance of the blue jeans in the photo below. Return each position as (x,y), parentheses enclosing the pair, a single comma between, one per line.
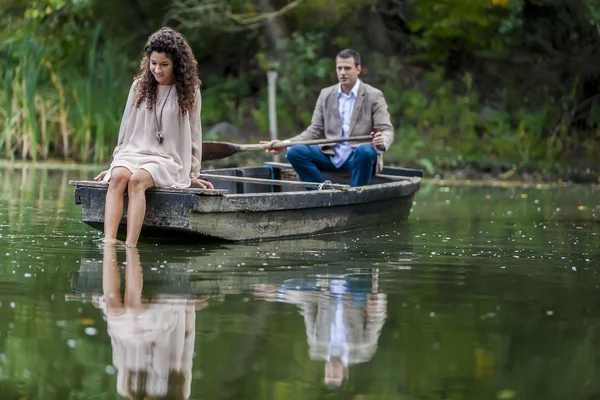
(308,162)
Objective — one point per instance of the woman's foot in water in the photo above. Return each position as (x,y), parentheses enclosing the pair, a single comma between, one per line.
(106,241)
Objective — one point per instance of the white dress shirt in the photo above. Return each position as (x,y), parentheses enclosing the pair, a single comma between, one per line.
(346,104)
(338,342)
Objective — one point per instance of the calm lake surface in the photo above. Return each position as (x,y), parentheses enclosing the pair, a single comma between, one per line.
(485,293)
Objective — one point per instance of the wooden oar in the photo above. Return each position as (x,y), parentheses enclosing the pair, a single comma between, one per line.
(218,150)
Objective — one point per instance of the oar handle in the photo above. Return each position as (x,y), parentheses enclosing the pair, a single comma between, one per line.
(320,141)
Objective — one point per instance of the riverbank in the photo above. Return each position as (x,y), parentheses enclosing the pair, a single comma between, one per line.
(521,175)
(51,164)
(468,174)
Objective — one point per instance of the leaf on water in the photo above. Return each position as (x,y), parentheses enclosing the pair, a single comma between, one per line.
(507,174)
(427,164)
(507,394)
(581,208)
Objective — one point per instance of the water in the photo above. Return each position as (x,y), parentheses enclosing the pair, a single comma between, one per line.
(486,293)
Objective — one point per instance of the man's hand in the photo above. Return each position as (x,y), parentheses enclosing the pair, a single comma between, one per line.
(271,143)
(201,183)
(378,140)
(101,175)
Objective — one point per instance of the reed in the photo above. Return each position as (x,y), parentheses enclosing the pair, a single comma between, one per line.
(51,108)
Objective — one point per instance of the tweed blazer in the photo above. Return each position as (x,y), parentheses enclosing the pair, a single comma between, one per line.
(370,114)
(363,326)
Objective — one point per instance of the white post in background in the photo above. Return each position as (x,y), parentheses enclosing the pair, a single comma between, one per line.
(272,80)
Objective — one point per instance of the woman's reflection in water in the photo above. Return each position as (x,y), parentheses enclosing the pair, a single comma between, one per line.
(343,317)
(152,341)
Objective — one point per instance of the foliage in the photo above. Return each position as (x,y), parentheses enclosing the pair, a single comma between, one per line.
(456,28)
(59,85)
(302,73)
(503,81)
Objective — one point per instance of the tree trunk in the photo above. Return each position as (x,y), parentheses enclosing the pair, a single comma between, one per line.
(275,29)
(376,32)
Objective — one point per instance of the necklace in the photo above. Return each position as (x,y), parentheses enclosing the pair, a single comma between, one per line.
(159,134)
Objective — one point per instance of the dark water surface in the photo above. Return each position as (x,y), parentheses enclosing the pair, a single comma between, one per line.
(486,293)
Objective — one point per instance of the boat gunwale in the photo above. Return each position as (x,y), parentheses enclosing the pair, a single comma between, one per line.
(309,199)
(413,180)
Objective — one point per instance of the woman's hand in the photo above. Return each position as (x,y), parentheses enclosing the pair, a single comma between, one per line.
(201,183)
(101,175)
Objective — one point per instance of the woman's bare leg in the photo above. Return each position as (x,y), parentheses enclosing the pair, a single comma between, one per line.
(113,210)
(134,281)
(111,280)
(136,210)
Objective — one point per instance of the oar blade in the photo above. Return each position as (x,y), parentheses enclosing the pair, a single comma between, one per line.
(218,150)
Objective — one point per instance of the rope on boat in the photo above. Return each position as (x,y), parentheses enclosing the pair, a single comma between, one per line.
(326,185)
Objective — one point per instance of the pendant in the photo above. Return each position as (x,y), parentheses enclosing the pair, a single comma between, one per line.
(159,137)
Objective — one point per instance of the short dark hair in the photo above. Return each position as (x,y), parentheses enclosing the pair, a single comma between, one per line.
(347,53)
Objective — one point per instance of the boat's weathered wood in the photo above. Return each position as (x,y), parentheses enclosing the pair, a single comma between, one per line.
(399,171)
(190,190)
(243,226)
(276,182)
(394,177)
(265,202)
(166,211)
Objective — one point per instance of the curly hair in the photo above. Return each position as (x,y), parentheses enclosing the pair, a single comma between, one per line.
(185,69)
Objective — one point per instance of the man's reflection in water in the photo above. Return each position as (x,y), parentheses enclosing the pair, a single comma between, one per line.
(343,317)
(152,341)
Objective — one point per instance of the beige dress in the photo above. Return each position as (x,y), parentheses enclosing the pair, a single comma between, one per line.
(155,343)
(174,161)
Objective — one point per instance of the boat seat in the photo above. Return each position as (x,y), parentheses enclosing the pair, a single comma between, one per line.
(342,176)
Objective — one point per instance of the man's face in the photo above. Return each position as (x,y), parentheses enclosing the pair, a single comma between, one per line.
(335,373)
(347,72)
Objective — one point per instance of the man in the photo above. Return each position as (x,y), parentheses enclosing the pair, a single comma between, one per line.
(350,108)
(344,317)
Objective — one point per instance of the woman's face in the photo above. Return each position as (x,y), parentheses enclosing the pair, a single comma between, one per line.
(161,66)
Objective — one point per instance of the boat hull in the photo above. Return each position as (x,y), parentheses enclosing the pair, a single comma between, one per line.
(260,215)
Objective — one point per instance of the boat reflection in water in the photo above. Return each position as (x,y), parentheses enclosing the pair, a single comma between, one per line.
(343,316)
(152,338)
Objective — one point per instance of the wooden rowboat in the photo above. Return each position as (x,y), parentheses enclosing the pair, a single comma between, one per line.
(258,203)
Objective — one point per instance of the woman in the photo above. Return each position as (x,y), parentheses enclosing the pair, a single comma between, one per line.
(152,339)
(160,139)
